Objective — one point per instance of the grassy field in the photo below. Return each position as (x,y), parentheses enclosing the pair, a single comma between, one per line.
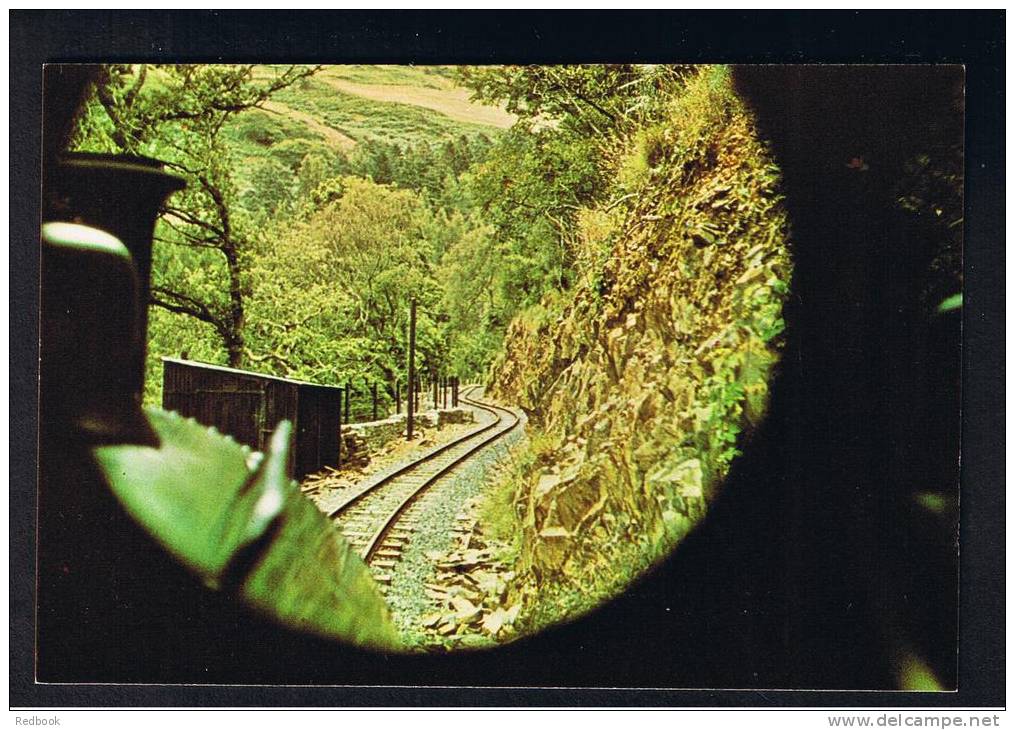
(331,136)
(345,105)
(434,77)
(443,97)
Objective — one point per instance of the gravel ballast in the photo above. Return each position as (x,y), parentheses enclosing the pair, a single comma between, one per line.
(434,514)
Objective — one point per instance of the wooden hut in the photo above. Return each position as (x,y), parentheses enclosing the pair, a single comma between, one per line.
(248,406)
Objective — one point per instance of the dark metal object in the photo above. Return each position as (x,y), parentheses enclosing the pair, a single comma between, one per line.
(122,195)
(88,331)
(248,406)
(413,402)
(63,89)
(373,399)
(93,560)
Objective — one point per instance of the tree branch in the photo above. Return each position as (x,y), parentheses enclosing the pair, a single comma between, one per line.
(290,77)
(189,218)
(268,356)
(183,304)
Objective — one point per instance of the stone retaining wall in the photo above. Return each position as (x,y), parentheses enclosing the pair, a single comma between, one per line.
(377,433)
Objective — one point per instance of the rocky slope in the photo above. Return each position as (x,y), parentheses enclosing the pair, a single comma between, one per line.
(642,386)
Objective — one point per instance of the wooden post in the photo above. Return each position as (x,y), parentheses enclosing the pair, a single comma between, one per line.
(373,397)
(436,405)
(412,369)
(339,427)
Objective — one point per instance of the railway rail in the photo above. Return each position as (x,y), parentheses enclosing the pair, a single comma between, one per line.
(377,520)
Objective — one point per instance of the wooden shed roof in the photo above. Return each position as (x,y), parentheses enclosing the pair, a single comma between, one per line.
(248,373)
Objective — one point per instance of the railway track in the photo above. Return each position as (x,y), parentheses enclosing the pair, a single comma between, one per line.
(378,520)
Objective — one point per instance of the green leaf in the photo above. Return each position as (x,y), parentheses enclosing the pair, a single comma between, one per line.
(951,303)
(208,500)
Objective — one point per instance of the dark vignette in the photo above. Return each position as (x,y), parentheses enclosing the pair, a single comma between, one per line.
(581,654)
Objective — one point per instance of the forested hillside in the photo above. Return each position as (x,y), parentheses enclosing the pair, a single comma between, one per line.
(320,200)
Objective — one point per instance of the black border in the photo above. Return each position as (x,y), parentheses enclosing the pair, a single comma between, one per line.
(975,39)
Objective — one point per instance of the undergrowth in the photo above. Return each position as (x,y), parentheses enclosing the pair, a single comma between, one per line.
(502,510)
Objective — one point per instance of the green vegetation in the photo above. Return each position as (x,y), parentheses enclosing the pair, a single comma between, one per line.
(365,120)
(177,114)
(434,77)
(295,250)
(643,375)
(330,292)
(502,511)
(615,262)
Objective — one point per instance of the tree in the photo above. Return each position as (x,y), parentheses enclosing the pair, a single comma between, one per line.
(331,293)
(176,113)
(557,159)
(468,276)
(593,100)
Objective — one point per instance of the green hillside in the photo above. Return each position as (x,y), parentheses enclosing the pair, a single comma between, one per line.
(271,155)
(342,106)
(359,120)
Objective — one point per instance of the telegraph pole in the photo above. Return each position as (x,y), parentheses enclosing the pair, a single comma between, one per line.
(412,370)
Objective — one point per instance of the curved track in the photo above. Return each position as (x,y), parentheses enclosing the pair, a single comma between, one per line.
(374,520)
